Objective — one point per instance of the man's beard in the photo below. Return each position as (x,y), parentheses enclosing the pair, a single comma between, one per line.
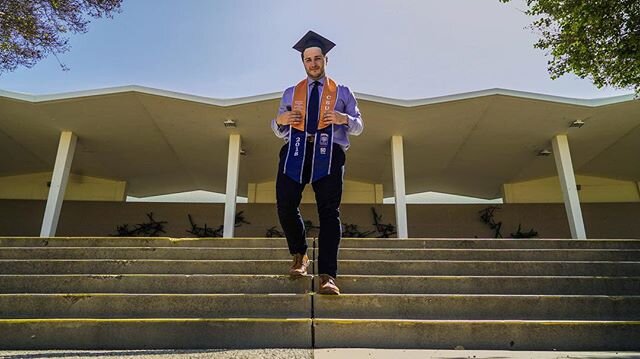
(321,75)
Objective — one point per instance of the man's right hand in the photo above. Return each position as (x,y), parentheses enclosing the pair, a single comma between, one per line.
(289,118)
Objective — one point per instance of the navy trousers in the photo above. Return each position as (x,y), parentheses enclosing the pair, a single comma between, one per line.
(328,191)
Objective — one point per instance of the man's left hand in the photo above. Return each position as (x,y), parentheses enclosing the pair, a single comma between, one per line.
(334,117)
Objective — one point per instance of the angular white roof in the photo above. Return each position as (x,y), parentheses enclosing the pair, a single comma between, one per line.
(469,144)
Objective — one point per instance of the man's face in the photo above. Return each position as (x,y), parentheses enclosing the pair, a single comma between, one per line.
(314,62)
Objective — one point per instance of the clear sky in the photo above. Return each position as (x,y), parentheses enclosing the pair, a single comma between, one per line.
(225,49)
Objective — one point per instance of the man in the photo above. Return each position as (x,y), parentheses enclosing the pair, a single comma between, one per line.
(315,118)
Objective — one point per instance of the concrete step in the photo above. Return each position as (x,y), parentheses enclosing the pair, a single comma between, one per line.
(477,307)
(486,243)
(143,242)
(476,243)
(541,285)
(490,268)
(153,283)
(192,333)
(119,305)
(143,253)
(348,267)
(143,266)
(194,253)
(475,334)
(347,306)
(349,284)
(493,254)
(154,333)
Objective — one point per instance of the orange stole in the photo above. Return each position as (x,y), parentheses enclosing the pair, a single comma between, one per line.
(327,101)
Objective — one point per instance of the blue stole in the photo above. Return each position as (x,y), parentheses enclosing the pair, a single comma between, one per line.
(323,141)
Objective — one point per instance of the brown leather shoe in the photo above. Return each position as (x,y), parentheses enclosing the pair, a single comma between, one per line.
(299,266)
(328,285)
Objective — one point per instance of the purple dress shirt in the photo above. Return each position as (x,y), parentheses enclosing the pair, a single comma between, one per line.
(345,104)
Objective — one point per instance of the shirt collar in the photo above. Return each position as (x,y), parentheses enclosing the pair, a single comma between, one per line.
(321,81)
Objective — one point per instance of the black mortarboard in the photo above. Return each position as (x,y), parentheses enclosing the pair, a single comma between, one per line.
(312,39)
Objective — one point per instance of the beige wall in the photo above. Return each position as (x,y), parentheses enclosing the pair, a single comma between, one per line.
(602,220)
(79,188)
(592,190)
(352,192)
(89,218)
(92,218)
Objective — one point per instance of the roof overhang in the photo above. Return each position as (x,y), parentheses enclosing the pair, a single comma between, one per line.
(469,144)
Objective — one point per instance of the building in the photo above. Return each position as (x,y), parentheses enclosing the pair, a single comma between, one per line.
(550,159)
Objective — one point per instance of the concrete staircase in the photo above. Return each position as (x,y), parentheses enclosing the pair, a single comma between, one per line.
(133,293)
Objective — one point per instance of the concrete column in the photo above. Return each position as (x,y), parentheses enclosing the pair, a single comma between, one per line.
(59,179)
(397,162)
(231,193)
(567,178)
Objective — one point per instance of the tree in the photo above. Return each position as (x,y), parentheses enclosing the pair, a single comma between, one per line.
(32,29)
(595,39)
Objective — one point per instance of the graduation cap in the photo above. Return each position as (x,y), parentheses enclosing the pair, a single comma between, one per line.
(312,39)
